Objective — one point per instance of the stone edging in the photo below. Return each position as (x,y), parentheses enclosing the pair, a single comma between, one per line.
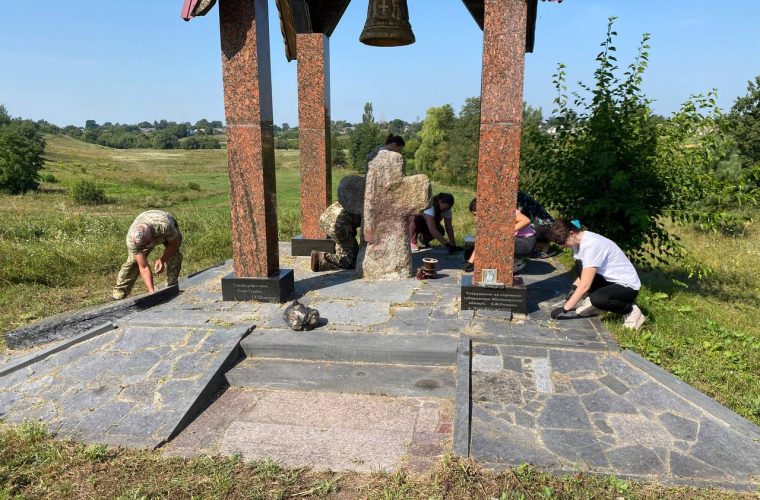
(70,323)
(48,351)
(706,403)
(463,402)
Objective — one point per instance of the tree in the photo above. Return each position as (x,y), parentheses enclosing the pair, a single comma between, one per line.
(745,121)
(433,154)
(464,143)
(21,154)
(364,139)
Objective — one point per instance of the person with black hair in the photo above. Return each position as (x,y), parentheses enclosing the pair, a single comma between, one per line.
(393,143)
(606,278)
(427,225)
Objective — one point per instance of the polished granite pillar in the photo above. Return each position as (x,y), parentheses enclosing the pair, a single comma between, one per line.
(313,51)
(504,30)
(492,285)
(250,149)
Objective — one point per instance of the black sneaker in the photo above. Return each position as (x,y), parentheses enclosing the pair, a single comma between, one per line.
(468,267)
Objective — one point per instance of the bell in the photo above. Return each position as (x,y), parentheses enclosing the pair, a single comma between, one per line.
(387,24)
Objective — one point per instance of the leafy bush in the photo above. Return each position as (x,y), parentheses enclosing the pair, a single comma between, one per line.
(85,192)
(745,121)
(194,186)
(21,154)
(49,178)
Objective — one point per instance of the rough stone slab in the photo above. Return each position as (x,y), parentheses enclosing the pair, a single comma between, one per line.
(352,313)
(696,397)
(34,357)
(320,345)
(463,400)
(69,324)
(395,292)
(414,381)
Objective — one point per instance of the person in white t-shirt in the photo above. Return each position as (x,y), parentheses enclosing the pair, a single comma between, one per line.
(606,275)
(427,225)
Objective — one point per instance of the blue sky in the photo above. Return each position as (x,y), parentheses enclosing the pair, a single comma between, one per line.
(126,62)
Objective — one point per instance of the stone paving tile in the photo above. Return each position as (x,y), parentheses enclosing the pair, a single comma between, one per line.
(321,430)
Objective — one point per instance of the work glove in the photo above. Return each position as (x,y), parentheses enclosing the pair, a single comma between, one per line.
(558,312)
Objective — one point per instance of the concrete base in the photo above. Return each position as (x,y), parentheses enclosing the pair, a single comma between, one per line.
(269,289)
(475,297)
(302,247)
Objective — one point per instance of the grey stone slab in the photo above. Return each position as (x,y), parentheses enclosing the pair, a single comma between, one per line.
(679,427)
(485,349)
(463,399)
(417,381)
(495,328)
(395,292)
(356,313)
(682,465)
(652,395)
(504,316)
(424,298)
(487,364)
(494,440)
(448,326)
(636,460)
(573,361)
(525,351)
(542,373)
(614,384)
(501,387)
(724,448)
(585,385)
(319,345)
(602,426)
(692,395)
(576,447)
(564,412)
(512,363)
(606,401)
(617,366)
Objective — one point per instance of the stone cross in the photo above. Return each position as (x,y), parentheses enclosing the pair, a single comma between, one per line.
(389,199)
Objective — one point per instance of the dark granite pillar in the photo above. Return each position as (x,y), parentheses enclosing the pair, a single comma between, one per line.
(314,129)
(501,105)
(314,140)
(250,153)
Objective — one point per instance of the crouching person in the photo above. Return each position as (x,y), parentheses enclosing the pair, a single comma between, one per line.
(340,226)
(150,229)
(606,275)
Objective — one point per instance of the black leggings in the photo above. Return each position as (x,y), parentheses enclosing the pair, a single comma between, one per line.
(607,296)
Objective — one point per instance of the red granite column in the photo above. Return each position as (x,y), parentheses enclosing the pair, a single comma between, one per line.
(500,124)
(250,142)
(314,130)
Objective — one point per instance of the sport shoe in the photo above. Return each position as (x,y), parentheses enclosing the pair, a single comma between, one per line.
(314,262)
(634,319)
(414,247)
(468,267)
(586,309)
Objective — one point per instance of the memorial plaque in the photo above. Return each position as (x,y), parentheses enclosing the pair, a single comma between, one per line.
(302,247)
(475,297)
(271,289)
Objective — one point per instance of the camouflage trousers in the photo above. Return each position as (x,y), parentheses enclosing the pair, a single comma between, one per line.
(341,227)
(130,271)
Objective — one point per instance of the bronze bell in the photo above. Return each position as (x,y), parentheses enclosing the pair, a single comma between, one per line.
(387,24)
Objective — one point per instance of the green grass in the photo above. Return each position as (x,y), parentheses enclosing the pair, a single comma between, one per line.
(32,465)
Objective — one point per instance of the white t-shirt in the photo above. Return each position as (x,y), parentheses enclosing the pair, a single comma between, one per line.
(609,260)
(446,214)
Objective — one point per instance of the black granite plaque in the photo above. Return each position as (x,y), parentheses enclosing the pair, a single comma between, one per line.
(475,297)
(469,247)
(271,289)
(300,246)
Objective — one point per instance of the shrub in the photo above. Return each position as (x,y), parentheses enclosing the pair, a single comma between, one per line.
(194,186)
(85,192)
(21,151)
(50,178)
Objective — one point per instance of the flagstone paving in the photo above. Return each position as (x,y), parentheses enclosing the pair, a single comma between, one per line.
(558,394)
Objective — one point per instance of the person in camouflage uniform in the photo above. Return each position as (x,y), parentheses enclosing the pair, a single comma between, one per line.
(150,229)
(340,226)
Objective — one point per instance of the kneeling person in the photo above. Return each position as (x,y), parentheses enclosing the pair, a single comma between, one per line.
(606,275)
(340,226)
(150,229)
